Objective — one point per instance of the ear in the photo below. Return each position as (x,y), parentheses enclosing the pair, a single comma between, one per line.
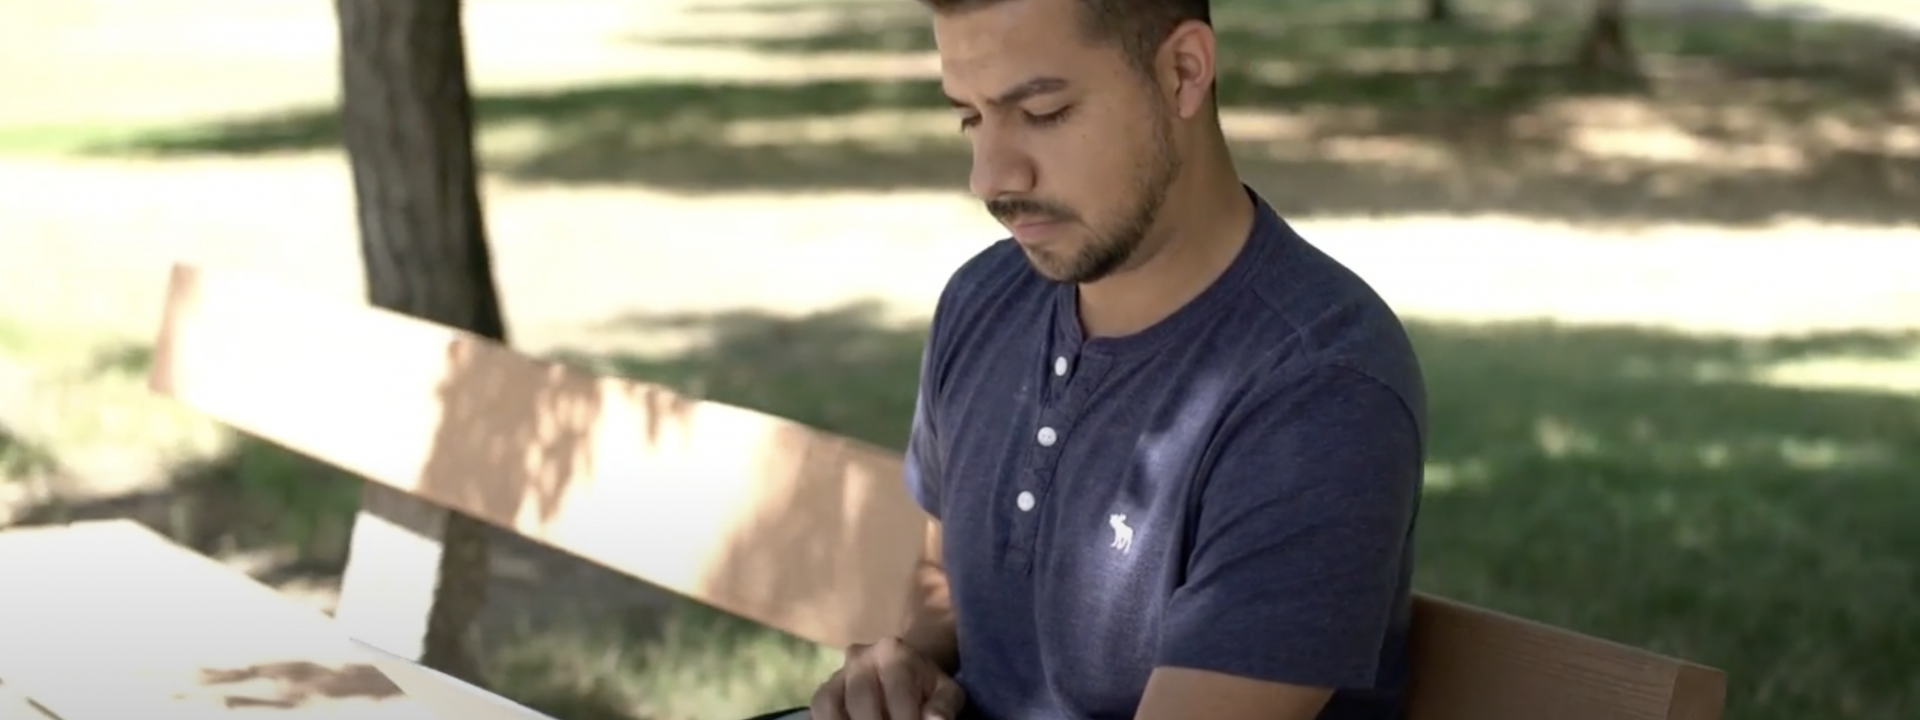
(1186,67)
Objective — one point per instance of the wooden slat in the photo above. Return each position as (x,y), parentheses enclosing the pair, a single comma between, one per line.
(1475,664)
(108,620)
(799,529)
(754,514)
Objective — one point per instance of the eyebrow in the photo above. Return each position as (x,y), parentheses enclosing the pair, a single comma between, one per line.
(1017,94)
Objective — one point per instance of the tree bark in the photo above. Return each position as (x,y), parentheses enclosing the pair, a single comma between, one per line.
(406,121)
(1604,47)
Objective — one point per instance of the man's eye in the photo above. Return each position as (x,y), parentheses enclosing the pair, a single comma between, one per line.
(1048,119)
(1039,120)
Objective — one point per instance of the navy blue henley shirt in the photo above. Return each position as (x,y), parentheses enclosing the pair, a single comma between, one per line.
(1233,489)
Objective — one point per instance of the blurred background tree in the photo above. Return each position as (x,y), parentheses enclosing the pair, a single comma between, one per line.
(406,125)
(1604,45)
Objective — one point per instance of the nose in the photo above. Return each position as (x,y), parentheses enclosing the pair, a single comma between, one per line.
(1000,166)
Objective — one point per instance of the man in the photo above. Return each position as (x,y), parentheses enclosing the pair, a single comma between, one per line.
(1170,451)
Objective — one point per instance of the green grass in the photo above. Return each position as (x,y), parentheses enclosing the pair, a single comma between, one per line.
(1389,63)
(89,401)
(21,459)
(694,663)
(73,139)
(1463,119)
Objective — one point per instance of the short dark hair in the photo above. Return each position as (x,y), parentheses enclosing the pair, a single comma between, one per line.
(1138,26)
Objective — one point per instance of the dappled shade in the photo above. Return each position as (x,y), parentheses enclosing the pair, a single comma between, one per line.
(1738,119)
(509,444)
(754,514)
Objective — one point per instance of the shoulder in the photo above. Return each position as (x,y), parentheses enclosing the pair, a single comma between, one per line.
(994,286)
(1328,329)
(989,274)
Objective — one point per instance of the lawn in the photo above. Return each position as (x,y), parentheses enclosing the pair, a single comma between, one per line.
(1350,110)
(1652,488)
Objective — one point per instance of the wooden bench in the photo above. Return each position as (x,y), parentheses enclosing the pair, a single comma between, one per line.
(798,529)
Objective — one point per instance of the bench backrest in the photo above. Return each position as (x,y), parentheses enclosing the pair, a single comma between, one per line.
(801,530)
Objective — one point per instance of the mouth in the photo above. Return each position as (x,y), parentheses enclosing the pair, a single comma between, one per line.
(1027,230)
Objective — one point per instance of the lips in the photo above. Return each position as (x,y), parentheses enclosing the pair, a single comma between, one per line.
(1028,232)
(1030,220)
(1033,220)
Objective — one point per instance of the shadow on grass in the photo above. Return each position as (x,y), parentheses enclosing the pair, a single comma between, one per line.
(1739,120)
(685,662)
(843,370)
(22,460)
(250,496)
(1641,486)
(253,498)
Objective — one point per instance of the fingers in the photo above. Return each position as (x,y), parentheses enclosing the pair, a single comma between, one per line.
(886,681)
(944,702)
(865,699)
(901,690)
(829,702)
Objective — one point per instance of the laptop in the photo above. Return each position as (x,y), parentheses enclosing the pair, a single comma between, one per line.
(444,696)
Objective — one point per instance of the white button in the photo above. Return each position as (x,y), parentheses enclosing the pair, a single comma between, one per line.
(1060,366)
(1025,501)
(1047,436)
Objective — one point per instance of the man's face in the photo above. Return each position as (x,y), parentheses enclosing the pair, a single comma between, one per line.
(1073,148)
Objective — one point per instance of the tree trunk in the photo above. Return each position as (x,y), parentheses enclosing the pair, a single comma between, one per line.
(407,125)
(1440,11)
(1604,48)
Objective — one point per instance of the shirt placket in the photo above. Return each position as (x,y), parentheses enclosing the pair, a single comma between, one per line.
(1070,378)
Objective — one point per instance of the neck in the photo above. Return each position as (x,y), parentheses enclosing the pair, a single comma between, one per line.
(1201,228)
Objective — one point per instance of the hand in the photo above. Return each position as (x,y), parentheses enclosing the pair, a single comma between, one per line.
(888,681)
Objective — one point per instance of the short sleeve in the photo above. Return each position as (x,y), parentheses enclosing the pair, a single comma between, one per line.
(953,313)
(924,455)
(922,463)
(1300,549)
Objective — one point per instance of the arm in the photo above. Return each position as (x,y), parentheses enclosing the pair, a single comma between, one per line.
(1298,561)
(910,674)
(929,624)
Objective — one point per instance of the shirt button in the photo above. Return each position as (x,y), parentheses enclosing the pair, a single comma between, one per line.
(1024,501)
(1047,436)
(1060,366)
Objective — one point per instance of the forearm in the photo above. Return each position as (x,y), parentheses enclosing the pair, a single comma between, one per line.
(929,625)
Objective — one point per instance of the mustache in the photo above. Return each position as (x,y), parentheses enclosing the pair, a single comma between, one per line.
(1009,210)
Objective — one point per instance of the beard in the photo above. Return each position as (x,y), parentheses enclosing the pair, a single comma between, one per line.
(1112,245)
